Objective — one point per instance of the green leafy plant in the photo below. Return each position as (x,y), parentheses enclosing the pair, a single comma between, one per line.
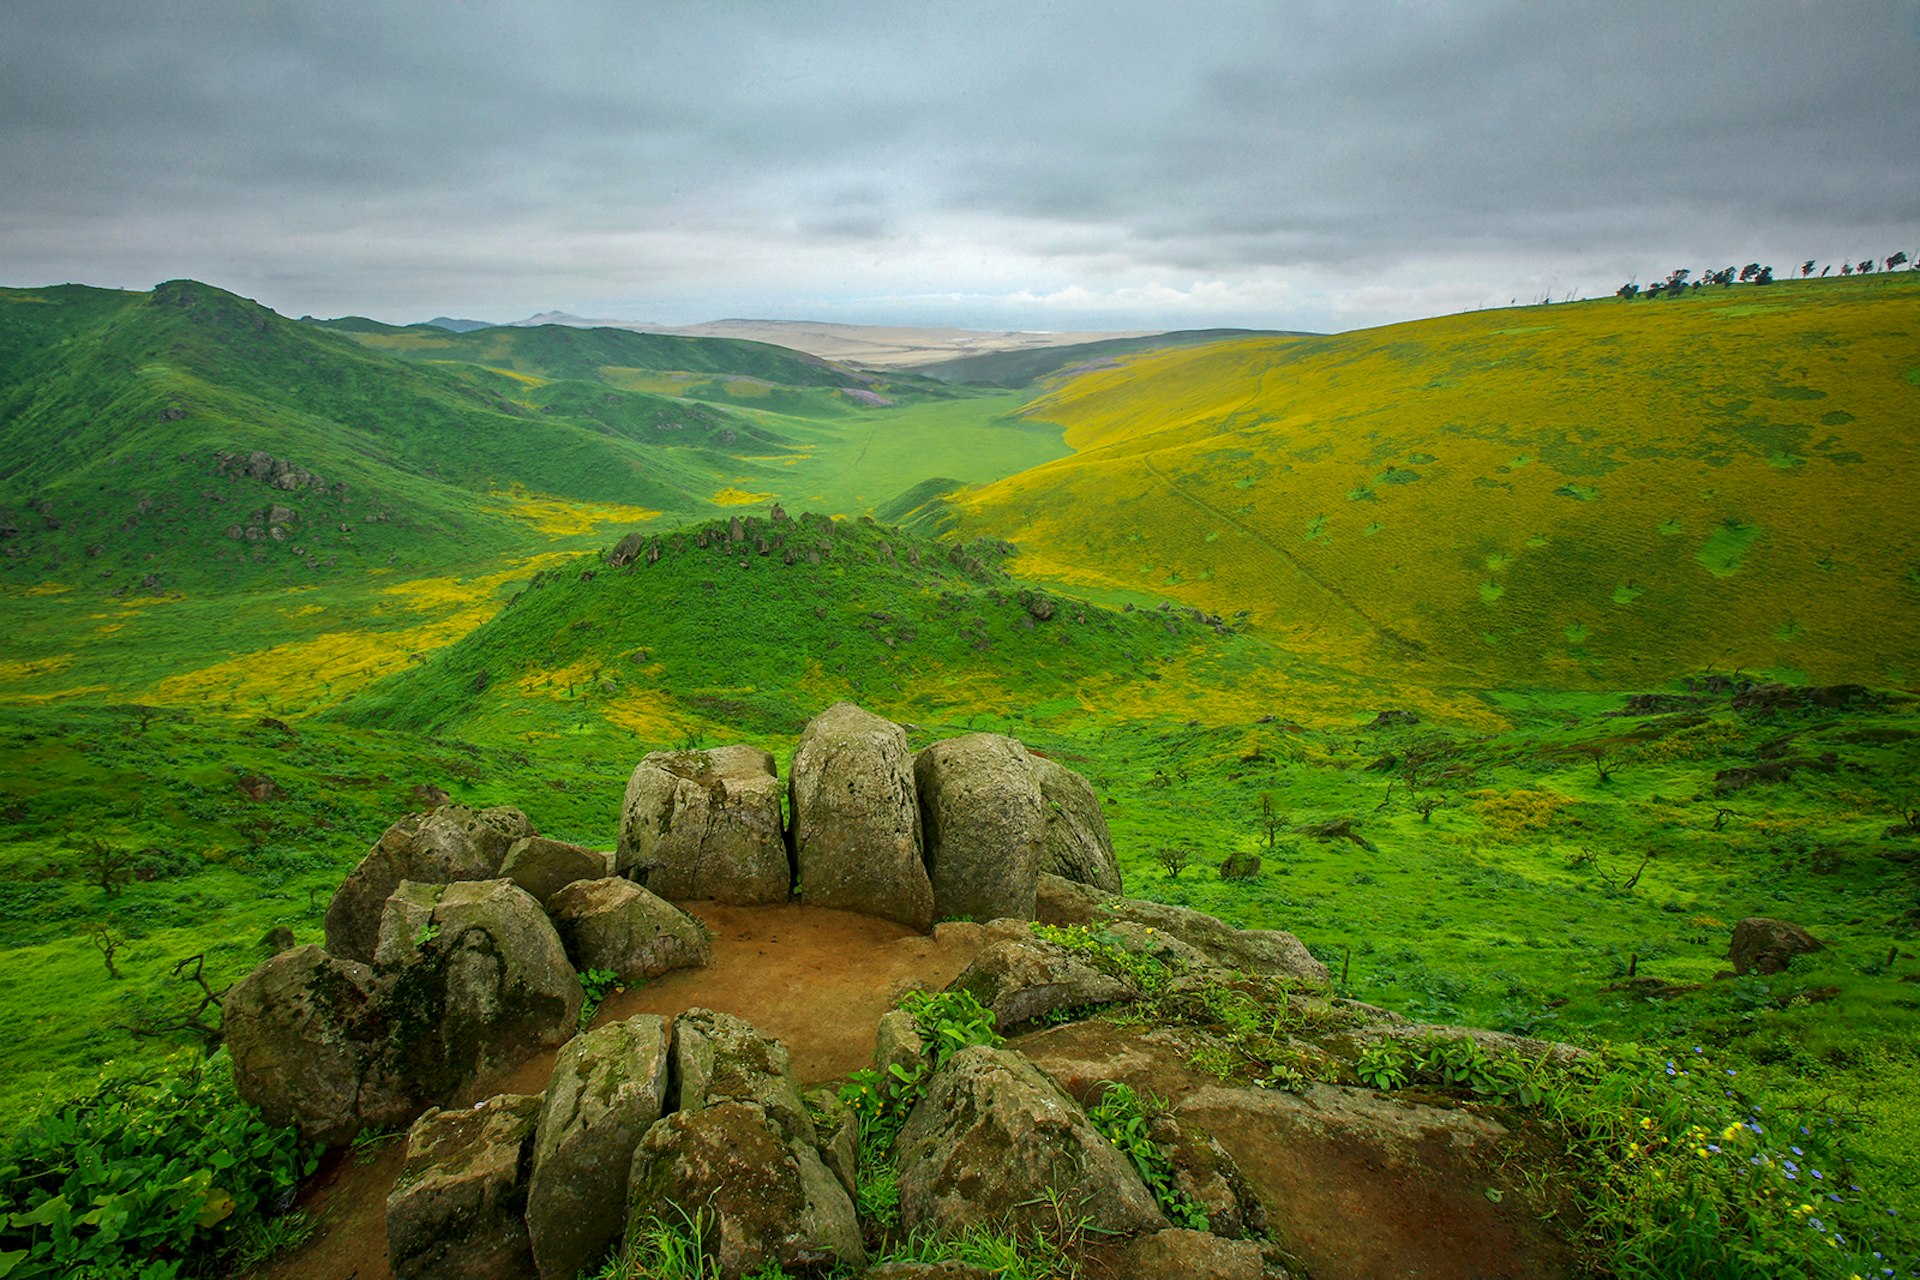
(1386,1064)
(1124,1117)
(598,984)
(149,1175)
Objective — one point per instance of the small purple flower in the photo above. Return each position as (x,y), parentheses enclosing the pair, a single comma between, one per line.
(1791,1166)
(1819,1175)
(1797,1151)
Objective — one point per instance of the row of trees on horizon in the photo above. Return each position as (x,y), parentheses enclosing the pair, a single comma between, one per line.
(1755,273)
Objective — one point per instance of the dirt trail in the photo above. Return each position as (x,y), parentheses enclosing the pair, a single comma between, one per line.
(817,980)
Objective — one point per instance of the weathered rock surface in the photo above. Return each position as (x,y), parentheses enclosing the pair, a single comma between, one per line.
(897,1041)
(482,984)
(770,1196)
(300,1028)
(543,867)
(613,924)
(1190,1255)
(989,1140)
(459,1206)
(856,818)
(1266,951)
(1356,1184)
(448,844)
(948,1270)
(720,1058)
(1762,944)
(1078,845)
(608,1088)
(1022,978)
(984,825)
(706,825)
(839,1132)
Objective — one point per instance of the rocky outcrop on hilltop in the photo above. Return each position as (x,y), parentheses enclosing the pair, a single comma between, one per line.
(993,1099)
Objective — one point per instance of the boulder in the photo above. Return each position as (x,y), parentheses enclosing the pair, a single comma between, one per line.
(300,1029)
(1272,952)
(769,1198)
(993,1137)
(1764,945)
(839,1132)
(856,818)
(543,867)
(612,924)
(951,1269)
(478,983)
(1023,978)
(459,1206)
(720,1058)
(608,1088)
(448,844)
(706,825)
(1191,1255)
(984,825)
(1078,845)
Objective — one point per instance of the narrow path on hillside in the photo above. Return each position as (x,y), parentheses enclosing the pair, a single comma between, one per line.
(1411,648)
(816,980)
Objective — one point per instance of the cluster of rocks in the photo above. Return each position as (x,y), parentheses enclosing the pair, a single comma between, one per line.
(704,1113)
(961,829)
(453,953)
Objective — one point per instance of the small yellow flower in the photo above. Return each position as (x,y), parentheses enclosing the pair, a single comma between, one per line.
(1646,1122)
(1732,1131)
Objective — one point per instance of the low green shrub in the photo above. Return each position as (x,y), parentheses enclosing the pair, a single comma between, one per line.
(1126,1119)
(146,1176)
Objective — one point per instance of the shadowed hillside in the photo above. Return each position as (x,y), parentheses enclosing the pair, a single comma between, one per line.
(1582,495)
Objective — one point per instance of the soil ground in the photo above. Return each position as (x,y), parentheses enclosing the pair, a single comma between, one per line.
(817,980)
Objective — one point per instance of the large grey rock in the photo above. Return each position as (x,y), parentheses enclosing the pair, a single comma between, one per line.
(612,924)
(543,867)
(301,1030)
(706,825)
(1078,845)
(608,1088)
(770,1197)
(1762,944)
(718,1057)
(984,825)
(994,1137)
(447,844)
(856,818)
(1022,978)
(1191,1255)
(1265,951)
(479,982)
(459,1206)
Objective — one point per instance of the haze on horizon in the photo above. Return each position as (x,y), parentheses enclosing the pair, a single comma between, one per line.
(1071,166)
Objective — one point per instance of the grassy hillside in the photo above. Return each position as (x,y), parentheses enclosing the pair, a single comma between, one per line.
(1581,495)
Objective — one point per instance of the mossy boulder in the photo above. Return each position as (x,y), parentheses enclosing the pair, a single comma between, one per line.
(447,844)
(706,825)
(984,824)
(302,1030)
(856,818)
(996,1141)
(543,867)
(459,1206)
(1078,845)
(613,924)
(608,1088)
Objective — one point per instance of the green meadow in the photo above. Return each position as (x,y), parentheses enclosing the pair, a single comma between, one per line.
(1197,576)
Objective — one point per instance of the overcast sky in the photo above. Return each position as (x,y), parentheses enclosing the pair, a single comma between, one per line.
(1025,165)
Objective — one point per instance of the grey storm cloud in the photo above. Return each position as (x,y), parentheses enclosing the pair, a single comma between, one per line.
(1046,165)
